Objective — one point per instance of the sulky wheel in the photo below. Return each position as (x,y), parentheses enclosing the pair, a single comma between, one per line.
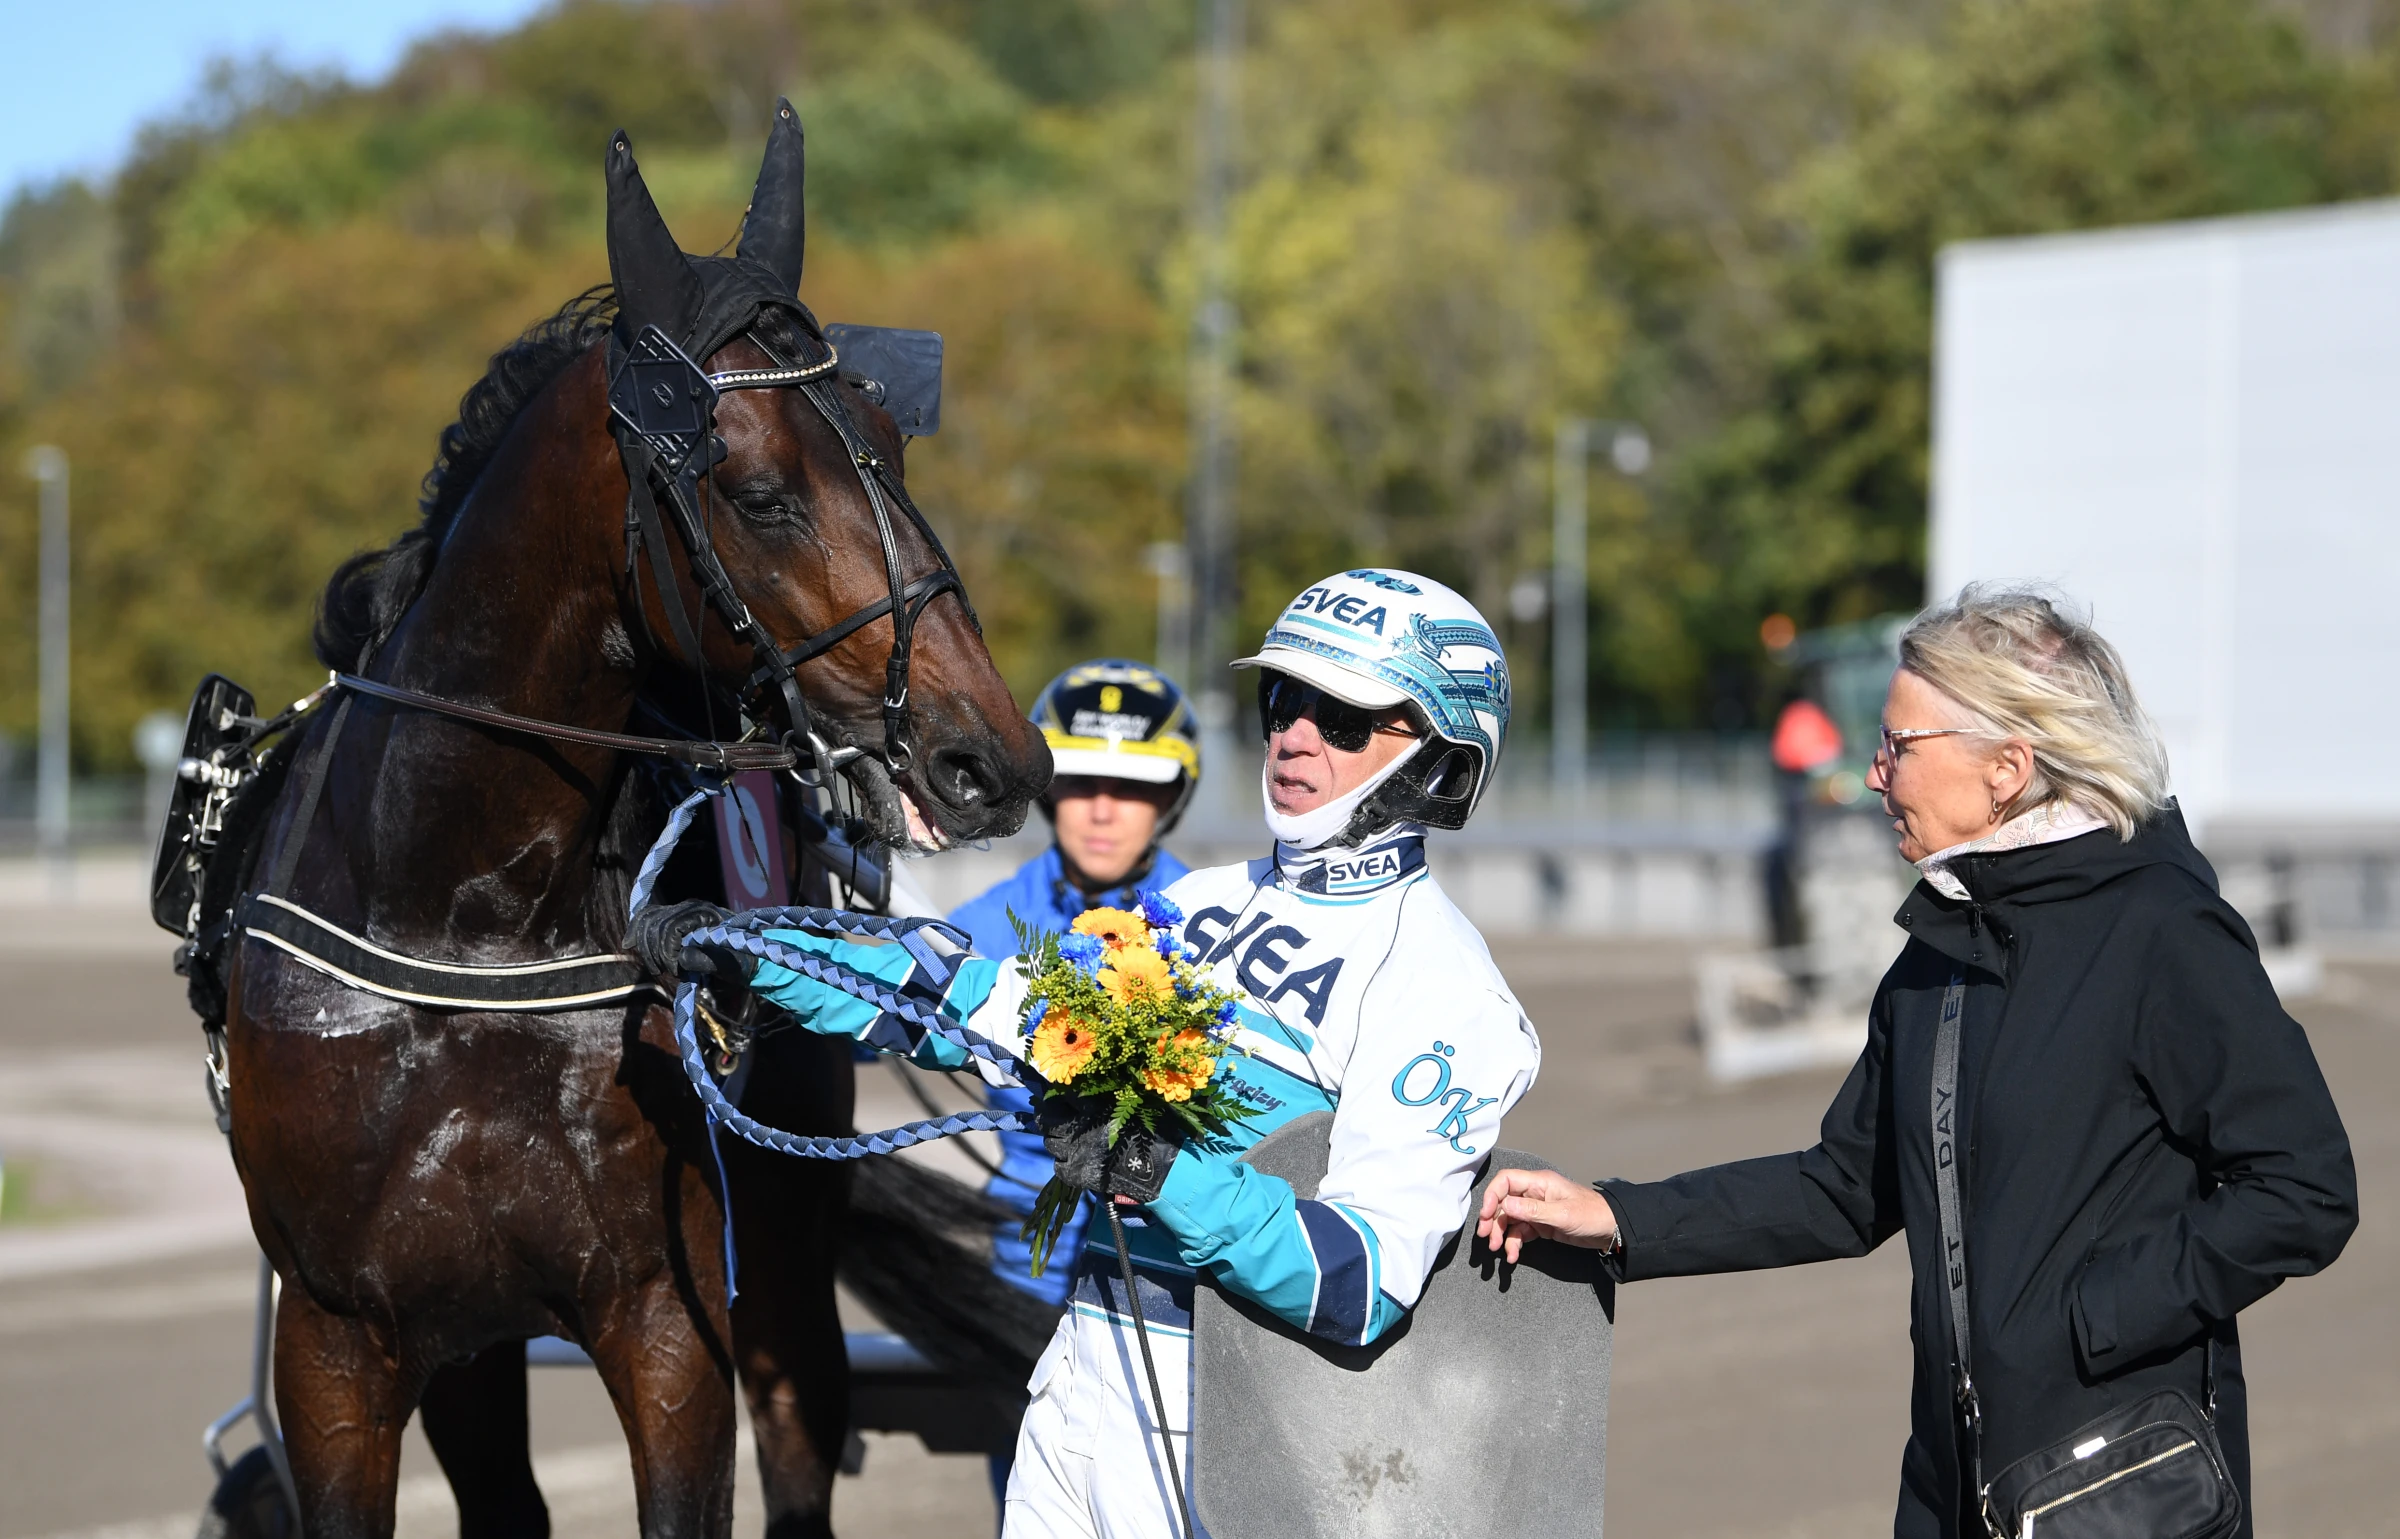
(248,1503)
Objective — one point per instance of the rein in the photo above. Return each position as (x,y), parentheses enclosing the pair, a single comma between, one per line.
(911,1012)
(724,758)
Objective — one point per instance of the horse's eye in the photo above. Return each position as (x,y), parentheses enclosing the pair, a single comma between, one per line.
(766,507)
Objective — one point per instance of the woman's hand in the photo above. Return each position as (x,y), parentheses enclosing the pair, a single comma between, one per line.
(1523,1205)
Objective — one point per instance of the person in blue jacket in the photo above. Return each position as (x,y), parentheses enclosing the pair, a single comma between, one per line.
(1125,763)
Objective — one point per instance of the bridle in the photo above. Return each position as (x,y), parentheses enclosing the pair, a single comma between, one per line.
(662,411)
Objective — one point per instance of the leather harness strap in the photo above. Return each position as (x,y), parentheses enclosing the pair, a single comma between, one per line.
(680,459)
(725,758)
(562,983)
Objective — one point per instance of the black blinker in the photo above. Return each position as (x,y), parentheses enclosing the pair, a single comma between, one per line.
(665,398)
(905,366)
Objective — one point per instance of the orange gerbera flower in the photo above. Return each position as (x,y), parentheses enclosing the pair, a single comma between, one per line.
(1062,1045)
(1135,970)
(1115,926)
(1184,1065)
(1175,1084)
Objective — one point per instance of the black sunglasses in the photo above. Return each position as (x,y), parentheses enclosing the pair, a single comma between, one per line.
(1282,701)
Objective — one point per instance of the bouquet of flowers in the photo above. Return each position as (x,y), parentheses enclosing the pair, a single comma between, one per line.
(1123,1015)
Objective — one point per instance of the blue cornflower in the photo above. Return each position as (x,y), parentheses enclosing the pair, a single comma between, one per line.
(1227,1014)
(1168,946)
(1161,913)
(1084,951)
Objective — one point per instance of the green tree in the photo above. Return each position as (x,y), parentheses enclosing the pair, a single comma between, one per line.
(2027,116)
(1415,313)
(1457,221)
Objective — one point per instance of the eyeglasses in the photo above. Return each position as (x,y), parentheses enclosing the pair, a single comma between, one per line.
(1342,725)
(1893,742)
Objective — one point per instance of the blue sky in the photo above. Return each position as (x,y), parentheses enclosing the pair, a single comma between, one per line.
(85,74)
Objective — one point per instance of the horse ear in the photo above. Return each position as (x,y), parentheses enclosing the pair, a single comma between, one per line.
(775,231)
(655,283)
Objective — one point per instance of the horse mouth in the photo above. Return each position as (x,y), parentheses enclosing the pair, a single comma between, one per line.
(924,835)
(953,789)
(897,811)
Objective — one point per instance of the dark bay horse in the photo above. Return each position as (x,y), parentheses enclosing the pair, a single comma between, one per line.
(434,1185)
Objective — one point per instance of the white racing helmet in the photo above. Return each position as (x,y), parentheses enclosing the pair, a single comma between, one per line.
(1379,638)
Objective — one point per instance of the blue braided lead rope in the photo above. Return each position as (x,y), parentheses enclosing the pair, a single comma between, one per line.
(725,1114)
(899,1012)
(656,861)
(746,932)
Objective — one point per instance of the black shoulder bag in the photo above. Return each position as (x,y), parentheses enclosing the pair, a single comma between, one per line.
(2150,1470)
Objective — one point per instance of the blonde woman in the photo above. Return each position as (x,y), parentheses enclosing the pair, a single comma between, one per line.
(2139,1141)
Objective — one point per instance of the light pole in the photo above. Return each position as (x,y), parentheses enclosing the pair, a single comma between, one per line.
(47,464)
(1570,583)
(1171,564)
(1209,524)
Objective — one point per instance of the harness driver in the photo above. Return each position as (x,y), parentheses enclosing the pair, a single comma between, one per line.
(1384,699)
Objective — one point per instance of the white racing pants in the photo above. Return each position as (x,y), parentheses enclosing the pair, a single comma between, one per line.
(1089,1462)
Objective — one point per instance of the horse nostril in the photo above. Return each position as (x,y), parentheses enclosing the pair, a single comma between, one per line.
(964,778)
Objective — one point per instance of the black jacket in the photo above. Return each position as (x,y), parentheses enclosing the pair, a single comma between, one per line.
(2149,1147)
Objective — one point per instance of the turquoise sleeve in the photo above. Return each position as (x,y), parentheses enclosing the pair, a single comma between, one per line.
(1313,1264)
(828,1011)
(976,978)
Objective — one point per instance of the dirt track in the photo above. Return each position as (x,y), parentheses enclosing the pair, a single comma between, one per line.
(1770,1404)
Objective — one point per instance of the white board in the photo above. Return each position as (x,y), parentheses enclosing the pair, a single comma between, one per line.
(2195,430)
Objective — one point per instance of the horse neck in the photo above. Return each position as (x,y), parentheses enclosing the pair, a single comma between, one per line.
(486,840)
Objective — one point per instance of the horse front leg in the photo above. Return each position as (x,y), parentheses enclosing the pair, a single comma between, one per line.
(344,1405)
(787,1332)
(474,1415)
(795,1376)
(661,1352)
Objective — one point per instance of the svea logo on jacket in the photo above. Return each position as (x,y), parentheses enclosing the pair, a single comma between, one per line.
(1372,868)
(1264,953)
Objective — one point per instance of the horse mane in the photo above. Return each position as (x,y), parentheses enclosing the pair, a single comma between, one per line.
(369,593)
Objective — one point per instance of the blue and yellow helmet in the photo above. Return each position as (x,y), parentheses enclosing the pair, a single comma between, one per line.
(1121,720)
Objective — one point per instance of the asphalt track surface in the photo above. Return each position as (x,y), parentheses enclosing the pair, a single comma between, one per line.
(1764,1405)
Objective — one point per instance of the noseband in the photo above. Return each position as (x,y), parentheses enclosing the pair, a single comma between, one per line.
(662,409)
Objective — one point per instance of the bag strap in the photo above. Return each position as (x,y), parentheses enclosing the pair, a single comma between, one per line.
(1954,1240)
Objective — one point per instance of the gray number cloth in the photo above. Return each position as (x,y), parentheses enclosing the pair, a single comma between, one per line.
(1485,1412)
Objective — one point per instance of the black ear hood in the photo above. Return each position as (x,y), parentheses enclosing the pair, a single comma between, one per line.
(702,303)
(775,230)
(654,281)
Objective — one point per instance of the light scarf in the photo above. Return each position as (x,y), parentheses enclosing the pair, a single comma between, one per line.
(2046,824)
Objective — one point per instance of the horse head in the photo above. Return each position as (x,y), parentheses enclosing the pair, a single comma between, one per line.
(836,609)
